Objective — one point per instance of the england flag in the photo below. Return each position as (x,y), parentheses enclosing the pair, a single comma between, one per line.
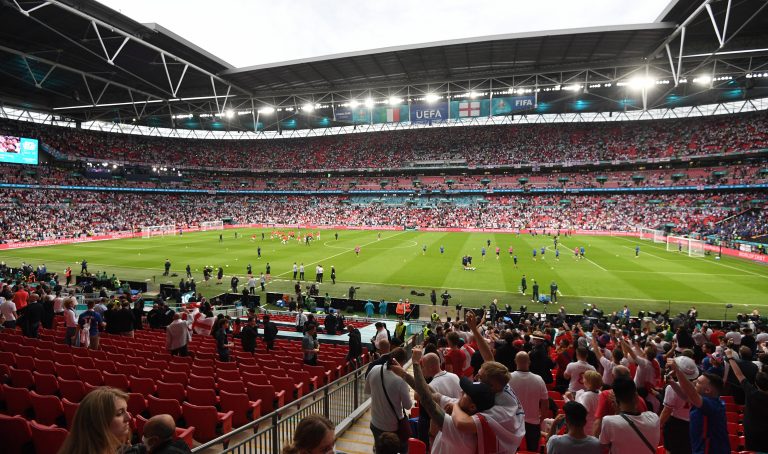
(469,109)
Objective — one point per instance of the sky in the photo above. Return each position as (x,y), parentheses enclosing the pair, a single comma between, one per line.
(254,32)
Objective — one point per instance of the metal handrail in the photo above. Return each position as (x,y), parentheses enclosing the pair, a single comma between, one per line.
(275,415)
(323,392)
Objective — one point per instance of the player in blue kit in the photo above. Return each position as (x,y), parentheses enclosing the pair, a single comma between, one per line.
(637,251)
(534,253)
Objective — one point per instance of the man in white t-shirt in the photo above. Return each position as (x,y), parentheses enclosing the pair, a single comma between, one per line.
(387,408)
(445,383)
(574,371)
(629,432)
(645,375)
(8,309)
(532,392)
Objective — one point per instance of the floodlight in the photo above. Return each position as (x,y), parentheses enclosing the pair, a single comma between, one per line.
(266,110)
(368,103)
(473,94)
(393,101)
(229,113)
(431,97)
(354,103)
(308,107)
(703,80)
(642,82)
(573,87)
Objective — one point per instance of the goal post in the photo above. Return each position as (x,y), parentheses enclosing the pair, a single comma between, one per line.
(689,246)
(211,225)
(657,236)
(148,231)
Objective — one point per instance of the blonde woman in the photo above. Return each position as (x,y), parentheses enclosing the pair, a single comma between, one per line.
(70,320)
(101,424)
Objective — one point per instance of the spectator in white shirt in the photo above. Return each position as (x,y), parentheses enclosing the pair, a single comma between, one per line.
(574,371)
(177,336)
(70,321)
(589,396)
(629,432)
(532,392)
(607,364)
(8,309)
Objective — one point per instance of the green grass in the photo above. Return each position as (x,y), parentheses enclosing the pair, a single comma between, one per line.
(390,268)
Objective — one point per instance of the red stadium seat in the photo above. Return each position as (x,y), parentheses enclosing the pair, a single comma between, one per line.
(208,422)
(72,390)
(197,396)
(70,408)
(67,371)
(47,439)
(171,391)
(45,366)
(243,410)
(154,374)
(196,381)
(48,409)
(91,376)
(25,362)
(175,377)
(293,390)
(17,400)
(416,446)
(144,386)
(118,381)
(46,384)
(231,386)
(270,399)
(159,406)
(21,378)
(137,403)
(228,374)
(15,434)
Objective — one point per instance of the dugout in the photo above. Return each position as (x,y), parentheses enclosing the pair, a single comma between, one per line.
(343,304)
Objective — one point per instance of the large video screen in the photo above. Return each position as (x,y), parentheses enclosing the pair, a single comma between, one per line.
(18,150)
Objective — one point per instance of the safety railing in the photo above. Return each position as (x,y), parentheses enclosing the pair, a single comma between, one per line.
(336,401)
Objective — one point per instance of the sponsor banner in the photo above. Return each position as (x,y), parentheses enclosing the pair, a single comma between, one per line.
(358,115)
(429,113)
(506,105)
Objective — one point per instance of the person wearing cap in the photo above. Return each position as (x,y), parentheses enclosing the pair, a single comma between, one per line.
(475,398)
(575,440)
(675,417)
(708,428)
(532,392)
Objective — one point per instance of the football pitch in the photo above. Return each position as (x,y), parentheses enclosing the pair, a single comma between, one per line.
(392,264)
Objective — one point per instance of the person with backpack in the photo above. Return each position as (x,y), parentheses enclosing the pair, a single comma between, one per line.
(90,323)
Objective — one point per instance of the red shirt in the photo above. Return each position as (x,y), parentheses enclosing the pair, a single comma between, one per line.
(606,404)
(20,299)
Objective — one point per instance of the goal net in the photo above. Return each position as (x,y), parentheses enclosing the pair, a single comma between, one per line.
(149,231)
(690,246)
(211,225)
(652,234)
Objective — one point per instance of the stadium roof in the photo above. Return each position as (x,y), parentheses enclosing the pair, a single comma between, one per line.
(84,60)
(456,60)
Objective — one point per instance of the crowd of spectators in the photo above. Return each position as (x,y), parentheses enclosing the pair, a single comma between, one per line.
(101,176)
(625,384)
(475,146)
(30,215)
